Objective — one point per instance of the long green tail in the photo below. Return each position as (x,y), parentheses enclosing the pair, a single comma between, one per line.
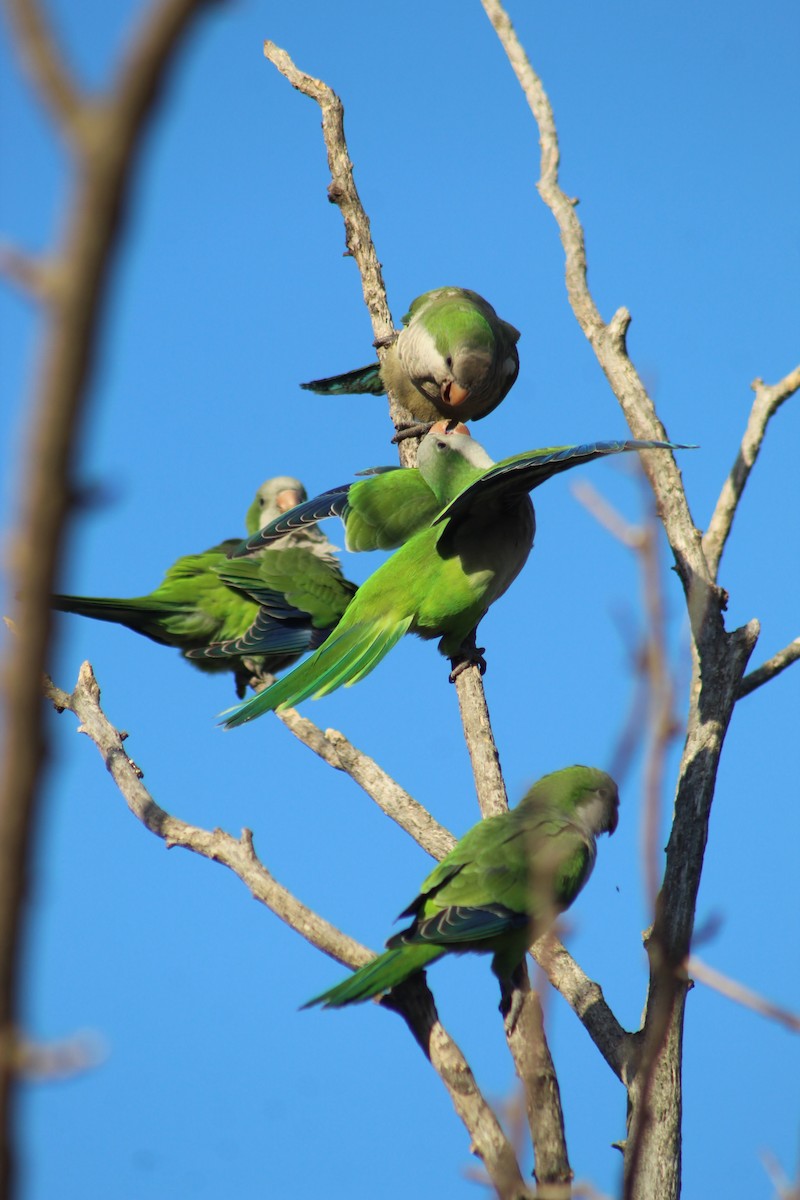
(380,975)
(136,613)
(347,656)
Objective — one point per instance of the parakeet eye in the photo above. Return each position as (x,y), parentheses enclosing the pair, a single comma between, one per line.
(448,362)
(441,445)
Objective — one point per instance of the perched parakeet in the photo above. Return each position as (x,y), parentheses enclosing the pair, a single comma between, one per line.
(301,594)
(442,580)
(454,358)
(500,888)
(198,602)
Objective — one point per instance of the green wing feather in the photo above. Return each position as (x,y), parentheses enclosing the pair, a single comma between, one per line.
(385,510)
(523,472)
(350,653)
(306,582)
(380,512)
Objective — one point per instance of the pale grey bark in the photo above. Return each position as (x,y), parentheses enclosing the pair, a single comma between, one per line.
(413,1000)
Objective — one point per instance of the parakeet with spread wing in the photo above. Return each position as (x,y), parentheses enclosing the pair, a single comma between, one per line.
(443,579)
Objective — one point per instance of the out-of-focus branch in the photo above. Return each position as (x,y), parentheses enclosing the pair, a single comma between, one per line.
(785,1189)
(768,670)
(43,62)
(412,1000)
(655,686)
(702,973)
(32,275)
(45,1062)
(767,401)
(104,136)
(334,749)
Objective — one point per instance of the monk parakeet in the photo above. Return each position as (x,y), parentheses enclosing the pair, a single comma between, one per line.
(454,358)
(200,602)
(442,580)
(500,888)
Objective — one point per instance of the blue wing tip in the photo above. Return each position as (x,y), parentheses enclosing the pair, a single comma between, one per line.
(243,549)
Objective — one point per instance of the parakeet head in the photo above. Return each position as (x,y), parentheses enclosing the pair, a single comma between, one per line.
(447,459)
(586,794)
(275,496)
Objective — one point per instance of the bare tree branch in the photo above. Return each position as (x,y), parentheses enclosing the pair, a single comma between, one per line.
(413,1000)
(768,670)
(767,402)
(652,1155)
(534,1066)
(489,783)
(358,237)
(334,749)
(585,998)
(342,191)
(607,340)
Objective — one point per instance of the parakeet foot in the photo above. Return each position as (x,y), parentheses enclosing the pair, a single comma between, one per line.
(407,431)
(468,656)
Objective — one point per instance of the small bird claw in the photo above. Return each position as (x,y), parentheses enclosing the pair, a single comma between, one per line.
(469,656)
(408,431)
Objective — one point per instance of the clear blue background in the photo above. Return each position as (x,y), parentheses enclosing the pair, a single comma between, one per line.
(679,130)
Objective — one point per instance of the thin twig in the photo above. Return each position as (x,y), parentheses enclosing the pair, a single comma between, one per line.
(585,998)
(768,670)
(44,63)
(767,402)
(31,275)
(334,749)
(238,854)
(342,191)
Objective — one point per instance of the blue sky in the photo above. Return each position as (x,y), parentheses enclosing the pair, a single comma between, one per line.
(679,132)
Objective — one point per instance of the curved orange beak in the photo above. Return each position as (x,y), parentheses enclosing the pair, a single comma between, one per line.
(287,499)
(453,394)
(449,427)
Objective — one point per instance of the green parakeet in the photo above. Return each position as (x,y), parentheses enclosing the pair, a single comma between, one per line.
(202,601)
(500,888)
(442,580)
(454,358)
